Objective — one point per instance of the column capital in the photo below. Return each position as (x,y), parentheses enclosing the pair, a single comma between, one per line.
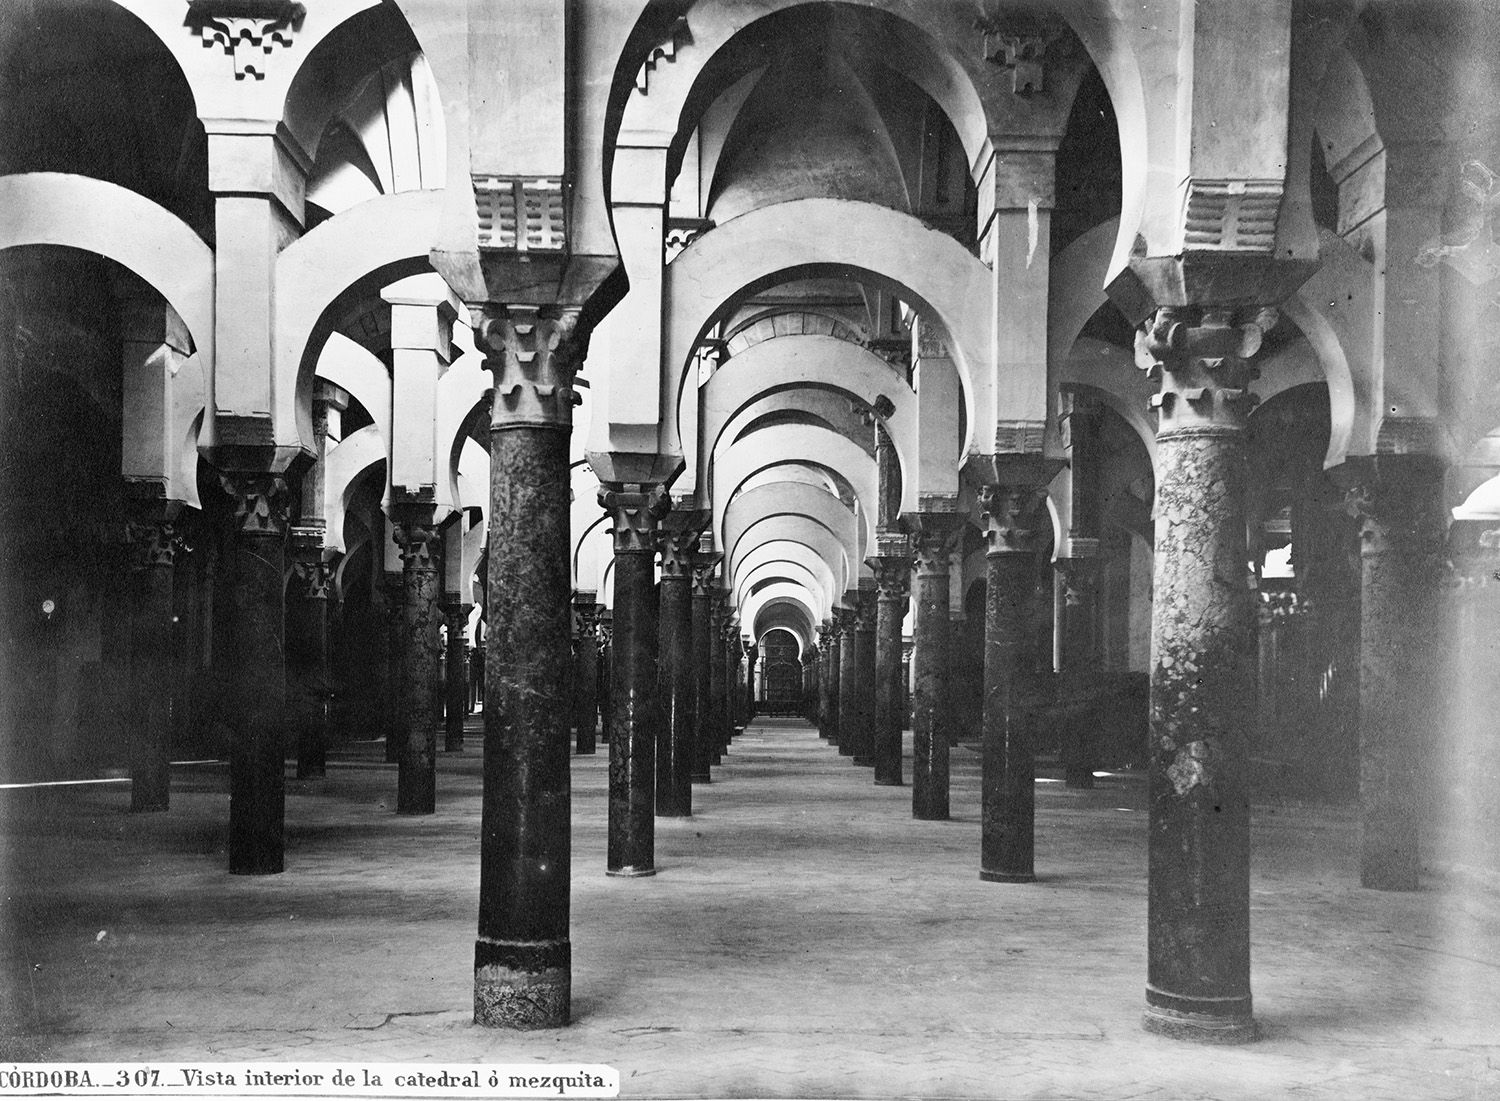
(1398,501)
(1014,516)
(261,498)
(420,542)
(866,605)
(892,575)
(678,553)
(535,354)
(1201,355)
(635,511)
(936,533)
(152,536)
(587,612)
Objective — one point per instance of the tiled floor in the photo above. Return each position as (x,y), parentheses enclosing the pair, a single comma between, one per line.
(804,938)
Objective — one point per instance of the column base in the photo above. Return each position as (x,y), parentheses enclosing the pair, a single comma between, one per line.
(868,762)
(524,1000)
(889,783)
(312,772)
(930,815)
(701,778)
(1007,877)
(590,752)
(1203,1028)
(674,813)
(629,872)
(845,751)
(453,747)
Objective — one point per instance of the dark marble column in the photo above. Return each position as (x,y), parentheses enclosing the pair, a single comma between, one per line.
(586,671)
(1008,780)
(312,589)
(1203,652)
(845,619)
(812,659)
(675,749)
(1077,585)
(865,616)
(929,783)
(152,535)
(635,511)
(703,725)
(734,678)
(456,682)
(718,668)
(606,673)
(522,956)
(393,704)
(833,666)
(421,659)
(257,779)
(1400,505)
(893,576)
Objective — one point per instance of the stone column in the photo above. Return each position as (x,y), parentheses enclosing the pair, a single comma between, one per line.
(929,784)
(522,956)
(456,682)
(313,591)
(716,670)
(394,682)
(1008,784)
(606,673)
(892,568)
(674,749)
(635,511)
(1400,505)
(1076,581)
(421,658)
(865,615)
(312,587)
(586,670)
(752,654)
(734,678)
(845,620)
(1203,651)
(153,539)
(833,668)
(703,726)
(257,782)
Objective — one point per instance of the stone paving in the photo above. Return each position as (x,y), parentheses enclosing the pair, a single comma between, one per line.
(804,938)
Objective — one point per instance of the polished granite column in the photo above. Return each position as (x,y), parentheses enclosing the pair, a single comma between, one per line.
(893,576)
(456,678)
(257,783)
(1203,651)
(703,745)
(674,747)
(1014,515)
(1400,506)
(718,668)
(311,586)
(586,671)
(153,540)
(929,784)
(1076,569)
(523,955)
(845,619)
(421,659)
(635,512)
(865,614)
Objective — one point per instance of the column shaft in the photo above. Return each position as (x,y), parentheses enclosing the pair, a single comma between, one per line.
(849,686)
(703,749)
(586,673)
(421,660)
(154,542)
(456,681)
(929,784)
(1077,584)
(257,783)
(717,669)
(522,955)
(637,718)
(893,573)
(674,751)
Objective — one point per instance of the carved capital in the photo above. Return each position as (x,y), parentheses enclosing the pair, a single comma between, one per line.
(315,577)
(1080,580)
(635,511)
(934,539)
(678,552)
(588,617)
(866,607)
(1398,501)
(1015,517)
(247,30)
(892,574)
(261,500)
(534,354)
(152,543)
(1202,358)
(420,544)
